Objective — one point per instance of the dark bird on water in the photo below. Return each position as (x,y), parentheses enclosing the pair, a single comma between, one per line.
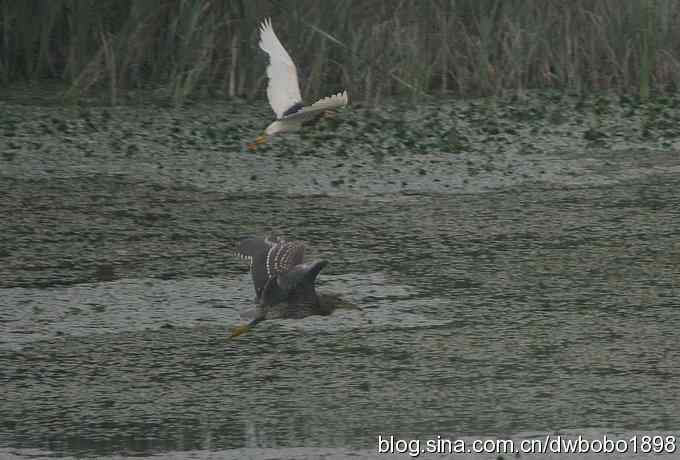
(284,283)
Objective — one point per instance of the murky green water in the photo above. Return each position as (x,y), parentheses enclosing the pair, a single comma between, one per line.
(492,303)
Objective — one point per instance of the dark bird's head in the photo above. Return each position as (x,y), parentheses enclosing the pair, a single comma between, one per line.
(301,275)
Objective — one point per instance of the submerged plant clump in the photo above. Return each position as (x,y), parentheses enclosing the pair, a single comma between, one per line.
(398,127)
(395,146)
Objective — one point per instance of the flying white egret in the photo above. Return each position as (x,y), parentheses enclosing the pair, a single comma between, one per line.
(283,90)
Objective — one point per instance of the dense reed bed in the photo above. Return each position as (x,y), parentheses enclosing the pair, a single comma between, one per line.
(379,48)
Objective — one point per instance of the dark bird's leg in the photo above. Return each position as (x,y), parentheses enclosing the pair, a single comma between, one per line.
(242,329)
(260,315)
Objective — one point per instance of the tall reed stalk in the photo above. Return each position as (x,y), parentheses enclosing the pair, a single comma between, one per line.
(647,34)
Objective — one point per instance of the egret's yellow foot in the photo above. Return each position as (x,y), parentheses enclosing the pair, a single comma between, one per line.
(260,140)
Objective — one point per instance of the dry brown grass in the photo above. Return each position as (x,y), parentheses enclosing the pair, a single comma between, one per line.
(375,49)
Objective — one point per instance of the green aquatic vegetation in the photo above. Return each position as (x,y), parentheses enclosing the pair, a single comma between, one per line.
(536,122)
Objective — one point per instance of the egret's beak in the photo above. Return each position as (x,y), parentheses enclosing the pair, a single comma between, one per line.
(242,329)
(260,140)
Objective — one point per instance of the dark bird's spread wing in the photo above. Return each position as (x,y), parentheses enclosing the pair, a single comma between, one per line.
(283,256)
(255,250)
(276,266)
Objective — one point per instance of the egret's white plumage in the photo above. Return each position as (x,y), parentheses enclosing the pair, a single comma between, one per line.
(283,90)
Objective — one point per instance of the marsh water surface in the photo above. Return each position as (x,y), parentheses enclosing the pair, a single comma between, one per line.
(540,294)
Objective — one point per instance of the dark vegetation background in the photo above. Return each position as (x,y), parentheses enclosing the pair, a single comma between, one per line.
(200,48)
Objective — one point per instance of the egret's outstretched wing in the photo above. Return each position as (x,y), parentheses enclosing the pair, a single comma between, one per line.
(283,90)
(327,103)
